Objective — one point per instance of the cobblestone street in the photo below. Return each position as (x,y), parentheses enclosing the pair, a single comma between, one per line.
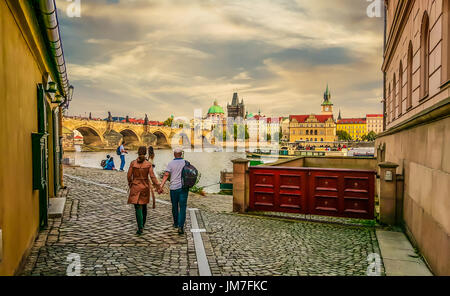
(99,226)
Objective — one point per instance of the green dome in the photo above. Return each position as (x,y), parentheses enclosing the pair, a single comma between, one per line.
(215,109)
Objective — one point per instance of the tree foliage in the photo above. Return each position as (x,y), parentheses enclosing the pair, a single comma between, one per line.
(343,135)
(168,121)
(370,137)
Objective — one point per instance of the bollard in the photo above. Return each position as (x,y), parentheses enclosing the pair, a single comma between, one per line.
(240,186)
(388,193)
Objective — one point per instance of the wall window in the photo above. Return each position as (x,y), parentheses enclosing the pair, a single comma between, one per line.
(400,89)
(409,82)
(446,42)
(388,104)
(424,56)
(394,97)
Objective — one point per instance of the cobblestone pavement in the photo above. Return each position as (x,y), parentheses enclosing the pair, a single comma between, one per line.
(99,226)
(246,245)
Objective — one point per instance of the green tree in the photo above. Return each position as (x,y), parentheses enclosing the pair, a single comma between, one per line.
(168,121)
(343,136)
(370,137)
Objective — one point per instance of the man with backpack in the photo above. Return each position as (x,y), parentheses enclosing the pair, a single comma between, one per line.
(182,176)
(121,152)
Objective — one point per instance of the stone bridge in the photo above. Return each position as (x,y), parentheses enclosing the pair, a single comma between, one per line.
(107,135)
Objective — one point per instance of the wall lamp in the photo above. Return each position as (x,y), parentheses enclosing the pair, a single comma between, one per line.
(51,87)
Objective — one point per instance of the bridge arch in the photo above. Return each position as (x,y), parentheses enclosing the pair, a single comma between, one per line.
(130,137)
(90,135)
(161,139)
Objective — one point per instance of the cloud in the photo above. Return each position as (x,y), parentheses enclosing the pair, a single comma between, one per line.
(170,57)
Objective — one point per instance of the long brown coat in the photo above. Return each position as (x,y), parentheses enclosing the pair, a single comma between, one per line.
(139,183)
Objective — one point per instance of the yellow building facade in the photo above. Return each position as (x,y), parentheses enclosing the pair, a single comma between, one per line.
(30,112)
(355,127)
(314,130)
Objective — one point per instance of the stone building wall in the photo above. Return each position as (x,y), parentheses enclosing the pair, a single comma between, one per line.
(417,135)
(423,154)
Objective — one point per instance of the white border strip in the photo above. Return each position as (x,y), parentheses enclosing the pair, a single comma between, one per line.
(202,260)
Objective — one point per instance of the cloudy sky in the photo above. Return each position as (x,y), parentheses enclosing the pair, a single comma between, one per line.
(162,57)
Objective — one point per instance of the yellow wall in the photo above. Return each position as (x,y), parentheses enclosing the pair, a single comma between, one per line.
(19,204)
(325,132)
(356,130)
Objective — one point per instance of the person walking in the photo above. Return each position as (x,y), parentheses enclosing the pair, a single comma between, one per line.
(178,194)
(138,181)
(122,155)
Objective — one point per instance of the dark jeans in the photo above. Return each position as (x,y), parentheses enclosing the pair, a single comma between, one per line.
(122,162)
(179,202)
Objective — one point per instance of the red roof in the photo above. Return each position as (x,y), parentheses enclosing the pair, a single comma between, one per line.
(352,120)
(142,121)
(274,119)
(303,118)
(374,115)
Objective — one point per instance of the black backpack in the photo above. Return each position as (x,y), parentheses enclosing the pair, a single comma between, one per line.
(118,151)
(103,163)
(189,175)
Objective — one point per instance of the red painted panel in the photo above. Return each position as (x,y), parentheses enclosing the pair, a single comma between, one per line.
(292,191)
(331,192)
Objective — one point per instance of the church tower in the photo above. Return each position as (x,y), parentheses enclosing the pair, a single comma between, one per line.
(327,106)
(236,109)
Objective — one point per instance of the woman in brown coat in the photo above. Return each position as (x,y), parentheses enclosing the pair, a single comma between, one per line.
(138,181)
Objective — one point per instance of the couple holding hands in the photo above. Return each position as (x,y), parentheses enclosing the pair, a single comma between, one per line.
(139,176)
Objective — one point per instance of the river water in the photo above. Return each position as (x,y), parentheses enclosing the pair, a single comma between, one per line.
(209,164)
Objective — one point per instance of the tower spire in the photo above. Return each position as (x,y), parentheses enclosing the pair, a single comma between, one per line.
(327,95)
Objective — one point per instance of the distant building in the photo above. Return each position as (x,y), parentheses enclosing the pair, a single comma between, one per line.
(236,109)
(214,116)
(284,123)
(374,123)
(417,122)
(356,127)
(327,106)
(215,112)
(314,128)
